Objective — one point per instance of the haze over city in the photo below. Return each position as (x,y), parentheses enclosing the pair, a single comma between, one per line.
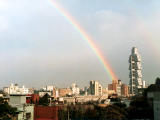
(38,46)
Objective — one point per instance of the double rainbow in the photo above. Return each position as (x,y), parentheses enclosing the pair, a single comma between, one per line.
(86,37)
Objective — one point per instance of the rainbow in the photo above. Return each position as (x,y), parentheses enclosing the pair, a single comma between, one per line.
(86,37)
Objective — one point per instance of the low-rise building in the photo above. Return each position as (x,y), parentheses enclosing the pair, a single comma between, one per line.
(15,89)
(64,92)
(125,90)
(25,111)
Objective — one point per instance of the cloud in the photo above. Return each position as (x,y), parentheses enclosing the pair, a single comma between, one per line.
(109,20)
(3,4)
(116,33)
(4,24)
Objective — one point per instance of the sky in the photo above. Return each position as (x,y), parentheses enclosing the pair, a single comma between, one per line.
(39,47)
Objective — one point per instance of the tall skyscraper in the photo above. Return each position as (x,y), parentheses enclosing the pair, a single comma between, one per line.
(135,74)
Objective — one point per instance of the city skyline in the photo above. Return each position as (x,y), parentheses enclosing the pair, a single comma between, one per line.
(41,47)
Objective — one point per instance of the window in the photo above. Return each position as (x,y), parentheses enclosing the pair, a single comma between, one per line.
(28,116)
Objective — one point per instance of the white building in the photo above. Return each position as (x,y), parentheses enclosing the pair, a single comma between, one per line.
(75,89)
(95,88)
(25,111)
(135,71)
(14,89)
(48,88)
(144,84)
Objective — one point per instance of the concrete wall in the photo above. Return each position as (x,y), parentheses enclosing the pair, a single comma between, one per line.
(17,100)
(29,109)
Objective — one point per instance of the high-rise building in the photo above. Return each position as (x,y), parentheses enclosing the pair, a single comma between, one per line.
(95,88)
(135,74)
(119,88)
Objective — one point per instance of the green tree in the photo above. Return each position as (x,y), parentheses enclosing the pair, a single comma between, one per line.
(158,81)
(6,111)
(91,114)
(120,105)
(140,109)
(44,100)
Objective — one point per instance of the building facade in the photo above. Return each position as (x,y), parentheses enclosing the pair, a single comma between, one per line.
(62,92)
(125,90)
(119,88)
(75,89)
(135,74)
(95,88)
(15,89)
(25,111)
